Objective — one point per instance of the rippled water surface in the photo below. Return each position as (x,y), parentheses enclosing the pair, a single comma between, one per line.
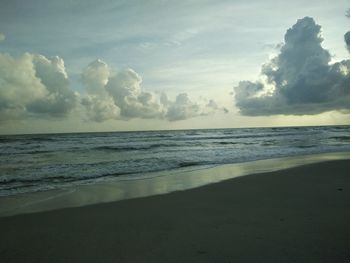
(31,163)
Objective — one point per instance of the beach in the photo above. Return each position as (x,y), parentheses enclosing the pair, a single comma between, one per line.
(174,131)
(299,214)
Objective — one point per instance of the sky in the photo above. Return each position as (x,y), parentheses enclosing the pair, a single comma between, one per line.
(110,65)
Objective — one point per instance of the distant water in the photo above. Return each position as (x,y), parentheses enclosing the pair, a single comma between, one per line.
(30,163)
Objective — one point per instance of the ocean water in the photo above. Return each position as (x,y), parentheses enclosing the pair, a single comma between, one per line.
(30,163)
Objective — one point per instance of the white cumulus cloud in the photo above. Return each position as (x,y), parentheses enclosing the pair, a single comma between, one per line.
(127,93)
(33,85)
(97,102)
(119,95)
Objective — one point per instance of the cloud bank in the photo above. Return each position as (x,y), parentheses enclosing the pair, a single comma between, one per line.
(119,95)
(34,86)
(300,80)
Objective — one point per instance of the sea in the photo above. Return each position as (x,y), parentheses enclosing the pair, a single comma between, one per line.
(31,163)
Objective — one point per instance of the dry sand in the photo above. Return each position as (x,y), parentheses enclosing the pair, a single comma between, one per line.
(300,214)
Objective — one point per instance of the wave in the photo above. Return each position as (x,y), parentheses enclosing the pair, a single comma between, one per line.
(225,143)
(242,136)
(136,147)
(341,138)
(306,146)
(189,163)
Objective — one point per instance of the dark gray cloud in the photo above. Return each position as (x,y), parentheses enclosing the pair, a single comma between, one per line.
(300,79)
(347,40)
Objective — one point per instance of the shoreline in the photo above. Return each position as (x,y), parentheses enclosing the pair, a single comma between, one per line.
(158,184)
(299,214)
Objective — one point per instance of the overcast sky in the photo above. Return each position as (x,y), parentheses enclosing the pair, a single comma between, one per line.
(138,65)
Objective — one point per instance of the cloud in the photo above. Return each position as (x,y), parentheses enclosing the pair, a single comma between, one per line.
(300,80)
(99,109)
(125,89)
(59,99)
(33,85)
(98,104)
(347,40)
(18,85)
(2,37)
(347,34)
(119,95)
(95,77)
(182,108)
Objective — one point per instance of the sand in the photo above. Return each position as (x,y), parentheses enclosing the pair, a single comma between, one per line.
(300,214)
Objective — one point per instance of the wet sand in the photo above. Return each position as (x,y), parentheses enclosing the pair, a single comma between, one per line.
(300,214)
